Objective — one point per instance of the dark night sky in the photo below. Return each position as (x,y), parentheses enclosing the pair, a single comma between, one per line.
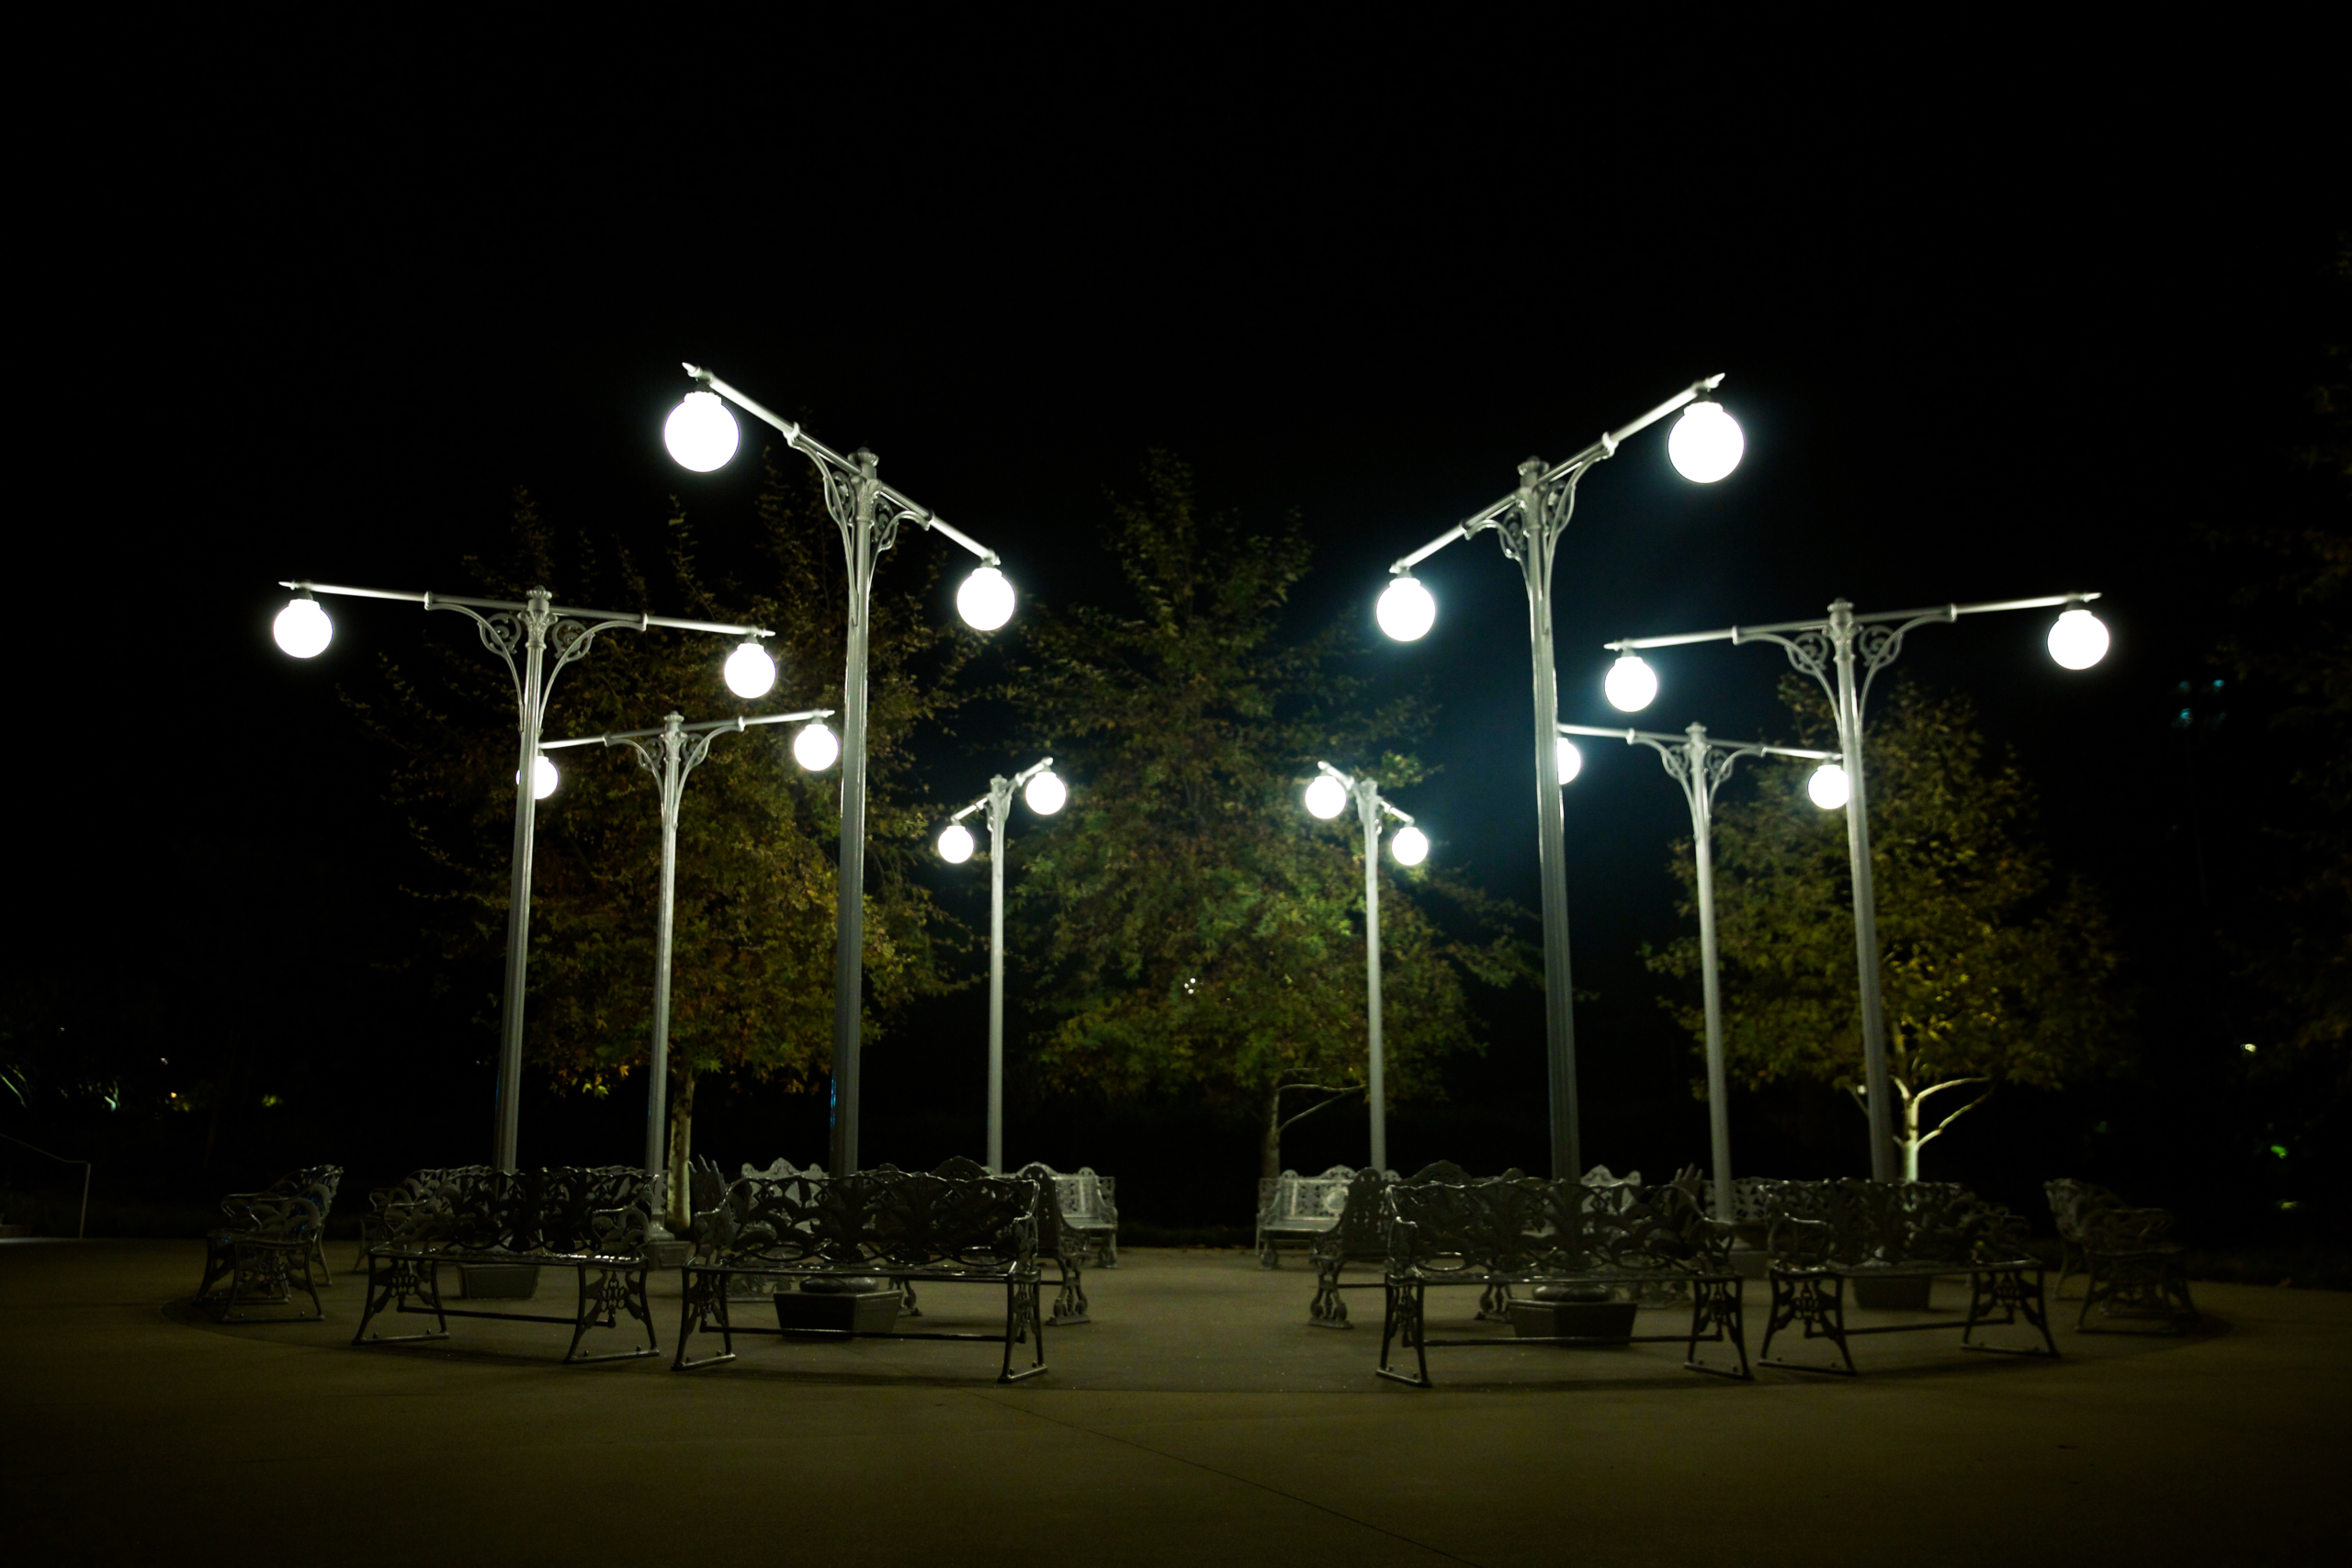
(1993,328)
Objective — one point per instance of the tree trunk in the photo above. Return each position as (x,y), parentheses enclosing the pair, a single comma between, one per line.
(681,1149)
(1270,1147)
(1910,1137)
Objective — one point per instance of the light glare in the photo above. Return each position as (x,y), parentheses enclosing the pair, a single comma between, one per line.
(1705,443)
(1828,786)
(1411,846)
(814,747)
(956,844)
(543,778)
(1046,794)
(303,628)
(1630,685)
(2078,640)
(1405,611)
(1326,797)
(750,672)
(1565,754)
(985,601)
(700,433)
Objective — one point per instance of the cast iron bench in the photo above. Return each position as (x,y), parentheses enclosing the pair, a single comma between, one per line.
(1088,1207)
(1828,1234)
(1296,1207)
(1361,1238)
(591,1219)
(972,1229)
(1564,1239)
(271,1234)
(2131,1266)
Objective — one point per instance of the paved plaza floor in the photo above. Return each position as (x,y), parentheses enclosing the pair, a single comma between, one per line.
(1198,1420)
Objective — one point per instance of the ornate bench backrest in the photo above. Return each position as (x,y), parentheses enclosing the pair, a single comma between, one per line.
(1290,1197)
(1519,1224)
(1083,1198)
(1851,1222)
(875,1219)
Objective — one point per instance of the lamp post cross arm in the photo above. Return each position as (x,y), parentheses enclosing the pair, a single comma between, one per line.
(735,724)
(1921,616)
(1492,515)
(833,465)
(511,606)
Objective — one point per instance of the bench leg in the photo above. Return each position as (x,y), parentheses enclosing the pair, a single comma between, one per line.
(400,1279)
(1401,1322)
(1070,1301)
(704,1296)
(2008,1292)
(1494,1304)
(1817,1303)
(1715,1313)
(616,1290)
(1326,1310)
(1021,1315)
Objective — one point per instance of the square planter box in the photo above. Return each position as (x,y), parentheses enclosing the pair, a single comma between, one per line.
(861,1312)
(1584,1320)
(1900,1293)
(503,1281)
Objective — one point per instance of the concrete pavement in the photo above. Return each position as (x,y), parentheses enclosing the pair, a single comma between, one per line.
(1197,1420)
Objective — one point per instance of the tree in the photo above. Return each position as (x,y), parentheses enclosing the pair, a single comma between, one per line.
(757,841)
(1198,929)
(1994,971)
(2294,640)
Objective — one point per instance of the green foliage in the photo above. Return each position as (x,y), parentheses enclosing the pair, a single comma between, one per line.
(1993,971)
(1198,928)
(758,838)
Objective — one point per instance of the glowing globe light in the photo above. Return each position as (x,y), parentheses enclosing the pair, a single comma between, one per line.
(303,628)
(814,747)
(985,600)
(1326,797)
(1630,685)
(1705,443)
(1405,611)
(2077,639)
(543,778)
(1046,794)
(1411,846)
(1828,786)
(700,433)
(750,672)
(1569,760)
(956,844)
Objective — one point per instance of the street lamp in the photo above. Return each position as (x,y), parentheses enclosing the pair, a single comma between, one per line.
(1327,794)
(1046,794)
(532,627)
(1528,523)
(683,747)
(701,435)
(1699,766)
(1826,649)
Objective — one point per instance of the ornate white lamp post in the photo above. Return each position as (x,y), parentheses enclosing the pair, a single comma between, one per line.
(1828,649)
(1046,794)
(701,435)
(1327,796)
(533,629)
(1706,445)
(1700,765)
(682,749)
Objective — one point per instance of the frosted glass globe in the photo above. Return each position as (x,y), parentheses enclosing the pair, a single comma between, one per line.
(750,672)
(1046,794)
(1405,611)
(956,844)
(1828,786)
(985,601)
(700,433)
(814,748)
(543,778)
(1705,443)
(1326,797)
(2077,639)
(1630,685)
(1411,846)
(303,628)
(1565,755)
